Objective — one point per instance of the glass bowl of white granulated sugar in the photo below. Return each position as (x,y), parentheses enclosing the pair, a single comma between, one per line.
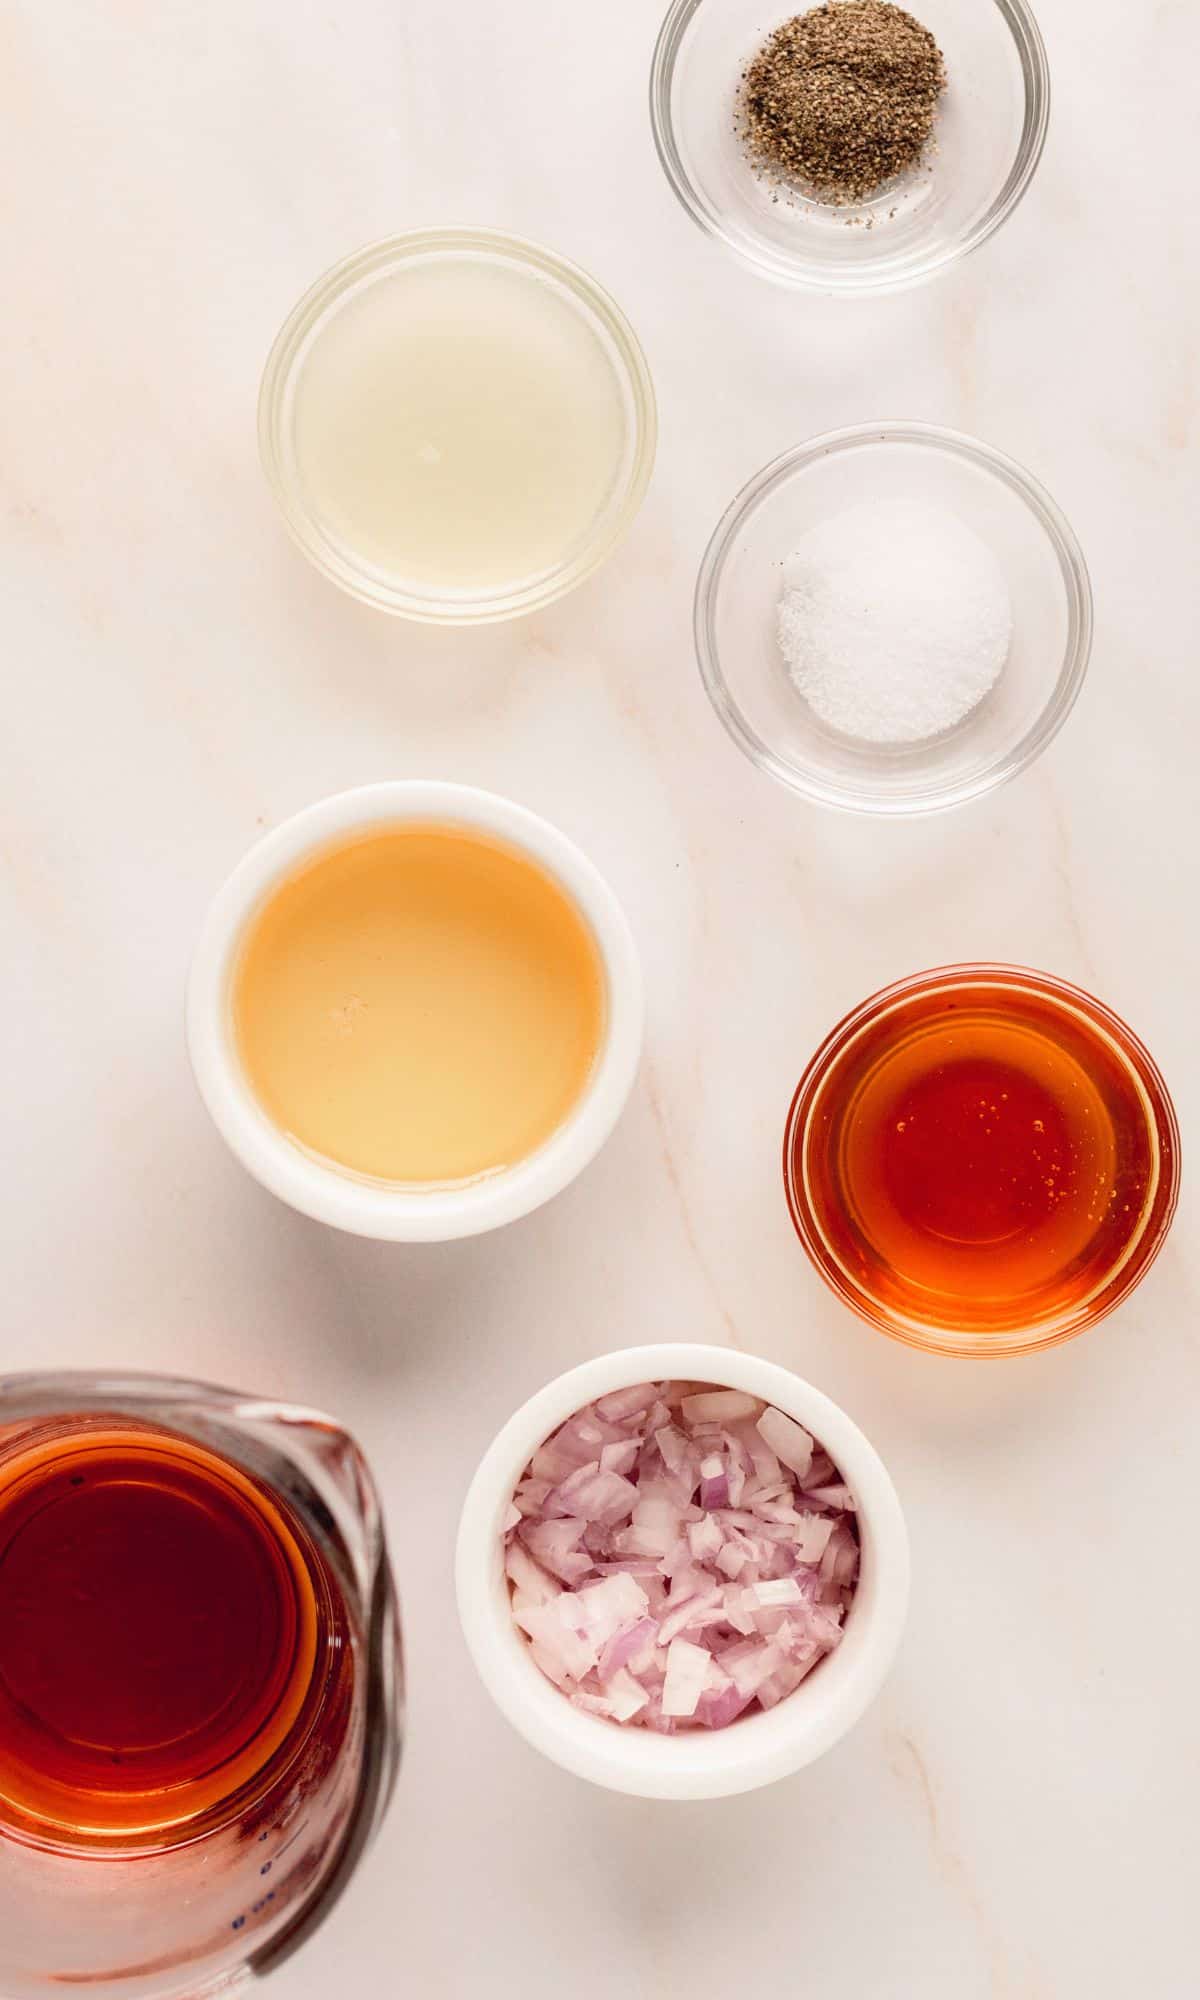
(893,619)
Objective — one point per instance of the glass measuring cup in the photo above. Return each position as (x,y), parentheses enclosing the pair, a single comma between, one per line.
(163,1890)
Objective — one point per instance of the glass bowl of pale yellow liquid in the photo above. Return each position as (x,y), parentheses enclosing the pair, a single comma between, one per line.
(415,1011)
(458,426)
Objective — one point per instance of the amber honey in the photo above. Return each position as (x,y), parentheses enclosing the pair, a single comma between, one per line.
(168,1632)
(988,1155)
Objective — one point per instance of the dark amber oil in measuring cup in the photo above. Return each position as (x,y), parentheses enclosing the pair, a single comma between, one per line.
(981,1153)
(169,1634)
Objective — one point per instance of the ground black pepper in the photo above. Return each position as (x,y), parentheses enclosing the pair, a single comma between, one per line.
(842,99)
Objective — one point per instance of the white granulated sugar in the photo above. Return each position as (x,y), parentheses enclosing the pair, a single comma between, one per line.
(895,620)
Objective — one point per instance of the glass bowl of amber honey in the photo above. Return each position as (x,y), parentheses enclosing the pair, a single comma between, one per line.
(982,1160)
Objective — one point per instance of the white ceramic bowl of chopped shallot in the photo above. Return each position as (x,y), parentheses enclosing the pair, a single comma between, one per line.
(682,1571)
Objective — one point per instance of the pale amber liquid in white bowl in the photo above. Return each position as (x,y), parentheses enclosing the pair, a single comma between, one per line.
(421,1005)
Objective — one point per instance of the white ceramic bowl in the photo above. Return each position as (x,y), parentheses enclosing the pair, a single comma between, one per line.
(372,1208)
(757,1748)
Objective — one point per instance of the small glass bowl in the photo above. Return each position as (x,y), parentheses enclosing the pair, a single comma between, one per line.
(821,1095)
(737,594)
(990,130)
(283,385)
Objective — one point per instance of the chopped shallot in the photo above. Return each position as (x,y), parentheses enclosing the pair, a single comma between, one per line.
(789,1441)
(683,1684)
(718,1404)
(678,1553)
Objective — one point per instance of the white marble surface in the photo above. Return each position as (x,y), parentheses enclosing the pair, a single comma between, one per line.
(1016,1818)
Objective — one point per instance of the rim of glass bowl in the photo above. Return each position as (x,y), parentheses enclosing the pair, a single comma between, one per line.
(1141,1254)
(324,295)
(785,270)
(1076,585)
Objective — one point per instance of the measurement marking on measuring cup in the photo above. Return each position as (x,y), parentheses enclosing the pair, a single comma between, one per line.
(289,1842)
(256,1909)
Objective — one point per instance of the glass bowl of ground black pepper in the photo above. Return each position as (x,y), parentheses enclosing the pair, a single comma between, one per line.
(893,619)
(854,146)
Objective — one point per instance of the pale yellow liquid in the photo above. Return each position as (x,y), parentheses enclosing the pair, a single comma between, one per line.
(459,426)
(419,1005)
